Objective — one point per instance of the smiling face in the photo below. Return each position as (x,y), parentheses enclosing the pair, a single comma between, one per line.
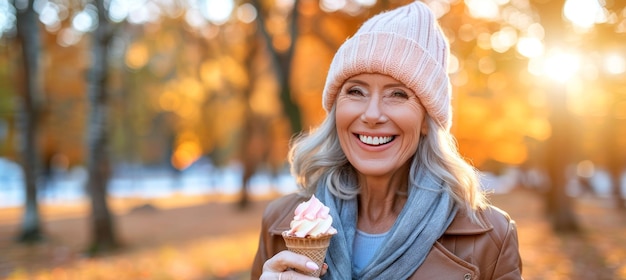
(379,121)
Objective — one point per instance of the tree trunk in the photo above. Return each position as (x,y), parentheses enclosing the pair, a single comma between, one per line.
(558,204)
(98,165)
(28,118)
(282,64)
(254,150)
(615,155)
(254,135)
(616,182)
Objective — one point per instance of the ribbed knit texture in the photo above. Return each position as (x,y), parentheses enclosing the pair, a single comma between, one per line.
(406,44)
(364,248)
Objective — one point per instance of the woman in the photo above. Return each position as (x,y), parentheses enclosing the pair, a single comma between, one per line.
(404,202)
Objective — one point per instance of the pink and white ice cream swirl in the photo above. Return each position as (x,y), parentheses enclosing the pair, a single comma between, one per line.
(312,220)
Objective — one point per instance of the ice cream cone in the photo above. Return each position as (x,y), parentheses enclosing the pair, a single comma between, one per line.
(314,248)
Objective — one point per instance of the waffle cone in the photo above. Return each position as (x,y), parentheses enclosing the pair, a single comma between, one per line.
(314,248)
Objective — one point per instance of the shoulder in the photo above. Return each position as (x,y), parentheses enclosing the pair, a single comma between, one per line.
(502,226)
(495,230)
(491,245)
(279,205)
(491,219)
(279,212)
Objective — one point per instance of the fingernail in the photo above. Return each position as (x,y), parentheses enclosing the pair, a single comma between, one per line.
(312,266)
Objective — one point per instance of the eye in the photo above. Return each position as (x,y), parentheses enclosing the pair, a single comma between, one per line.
(399,94)
(354,91)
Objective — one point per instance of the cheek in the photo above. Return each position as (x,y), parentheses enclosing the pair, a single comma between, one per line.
(345,113)
(410,144)
(411,132)
(411,124)
(340,118)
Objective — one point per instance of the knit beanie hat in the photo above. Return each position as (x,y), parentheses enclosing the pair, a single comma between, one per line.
(405,43)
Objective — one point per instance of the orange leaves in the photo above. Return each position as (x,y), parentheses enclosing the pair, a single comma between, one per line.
(215,73)
(211,74)
(137,55)
(485,133)
(186,151)
(539,129)
(205,258)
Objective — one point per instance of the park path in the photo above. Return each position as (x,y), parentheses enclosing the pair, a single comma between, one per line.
(140,227)
(207,238)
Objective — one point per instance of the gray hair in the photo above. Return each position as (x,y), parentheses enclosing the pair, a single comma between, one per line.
(317,157)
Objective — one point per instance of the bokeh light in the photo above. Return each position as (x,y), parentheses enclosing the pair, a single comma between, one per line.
(615,64)
(69,37)
(583,13)
(137,55)
(51,16)
(503,40)
(530,47)
(246,13)
(7,17)
(585,169)
(560,65)
(86,20)
(366,3)
(217,11)
(485,9)
(453,64)
(330,6)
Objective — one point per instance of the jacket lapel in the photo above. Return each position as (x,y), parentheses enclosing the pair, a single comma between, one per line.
(462,225)
(441,264)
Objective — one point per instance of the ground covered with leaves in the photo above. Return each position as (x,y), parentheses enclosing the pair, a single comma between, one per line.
(206,238)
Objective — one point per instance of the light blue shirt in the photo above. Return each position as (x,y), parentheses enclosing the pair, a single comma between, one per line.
(364,247)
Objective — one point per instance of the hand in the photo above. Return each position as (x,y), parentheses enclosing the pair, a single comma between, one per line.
(280,267)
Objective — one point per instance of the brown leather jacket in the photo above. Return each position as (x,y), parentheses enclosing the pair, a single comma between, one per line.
(465,251)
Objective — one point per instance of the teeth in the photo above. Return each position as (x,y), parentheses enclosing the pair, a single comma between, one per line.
(375,140)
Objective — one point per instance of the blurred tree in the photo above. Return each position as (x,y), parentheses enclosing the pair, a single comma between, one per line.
(255,132)
(28,118)
(616,161)
(281,47)
(607,40)
(257,137)
(559,147)
(98,165)
(615,137)
(182,75)
(558,203)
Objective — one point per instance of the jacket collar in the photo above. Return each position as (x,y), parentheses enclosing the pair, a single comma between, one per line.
(463,225)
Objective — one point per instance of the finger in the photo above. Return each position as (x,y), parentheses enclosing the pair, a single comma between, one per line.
(324,269)
(285,260)
(293,275)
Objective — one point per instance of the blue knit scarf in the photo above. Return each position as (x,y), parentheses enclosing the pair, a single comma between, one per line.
(427,213)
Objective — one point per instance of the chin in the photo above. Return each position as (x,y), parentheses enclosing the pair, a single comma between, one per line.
(372,170)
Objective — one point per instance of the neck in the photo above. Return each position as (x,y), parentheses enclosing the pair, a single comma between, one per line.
(381,201)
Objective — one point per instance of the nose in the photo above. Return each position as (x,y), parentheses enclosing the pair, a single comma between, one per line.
(374,113)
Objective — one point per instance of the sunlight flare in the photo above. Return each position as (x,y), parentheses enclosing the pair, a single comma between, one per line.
(557,65)
(615,64)
(583,13)
(218,11)
(529,47)
(487,9)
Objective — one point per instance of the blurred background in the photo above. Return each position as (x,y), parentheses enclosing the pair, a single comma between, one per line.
(142,139)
